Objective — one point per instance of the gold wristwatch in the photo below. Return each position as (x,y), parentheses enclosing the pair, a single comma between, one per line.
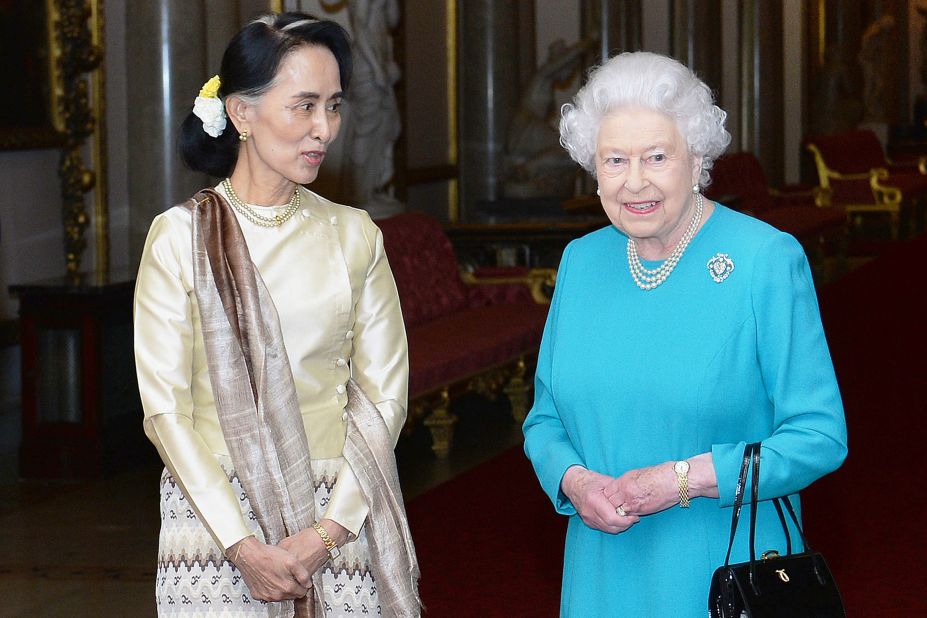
(681,468)
(330,545)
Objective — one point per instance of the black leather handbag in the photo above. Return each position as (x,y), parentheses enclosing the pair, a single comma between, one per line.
(792,586)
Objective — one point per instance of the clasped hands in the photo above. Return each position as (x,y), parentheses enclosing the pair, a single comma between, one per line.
(638,492)
(284,571)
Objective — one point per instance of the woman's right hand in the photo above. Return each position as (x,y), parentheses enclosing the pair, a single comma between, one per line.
(270,572)
(586,490)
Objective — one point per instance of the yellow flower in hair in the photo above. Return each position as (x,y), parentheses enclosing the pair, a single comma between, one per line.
(210,88)
(208,107)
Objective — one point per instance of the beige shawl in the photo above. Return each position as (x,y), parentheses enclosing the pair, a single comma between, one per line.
(262,425)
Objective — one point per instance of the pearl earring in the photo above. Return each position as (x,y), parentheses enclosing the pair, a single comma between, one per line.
(244,136)
(695,188)
(598,192)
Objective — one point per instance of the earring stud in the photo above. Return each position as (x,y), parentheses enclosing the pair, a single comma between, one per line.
(598,192)
(695,188)
(244,136)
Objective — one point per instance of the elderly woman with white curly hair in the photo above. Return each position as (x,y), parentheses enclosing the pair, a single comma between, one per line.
(676,336)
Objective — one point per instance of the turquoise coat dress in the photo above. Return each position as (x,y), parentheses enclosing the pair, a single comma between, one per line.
(628,378)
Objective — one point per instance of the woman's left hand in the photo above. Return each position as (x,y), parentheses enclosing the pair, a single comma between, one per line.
(644,491)
(308,547)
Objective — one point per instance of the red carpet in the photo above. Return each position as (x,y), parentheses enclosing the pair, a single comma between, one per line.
(867,518)
(490,544)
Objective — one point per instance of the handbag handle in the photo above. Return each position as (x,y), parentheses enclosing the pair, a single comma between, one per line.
(738,498)
(752,460)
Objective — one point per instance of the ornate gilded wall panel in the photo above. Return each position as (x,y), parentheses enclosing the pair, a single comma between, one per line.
(55,46)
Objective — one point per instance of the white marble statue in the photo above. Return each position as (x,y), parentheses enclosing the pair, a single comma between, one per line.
(374,114)
(875,57)
(536,164)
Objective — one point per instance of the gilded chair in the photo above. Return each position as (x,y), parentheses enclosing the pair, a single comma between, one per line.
(854,172)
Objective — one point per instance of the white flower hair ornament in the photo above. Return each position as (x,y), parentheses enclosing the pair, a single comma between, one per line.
(209,108)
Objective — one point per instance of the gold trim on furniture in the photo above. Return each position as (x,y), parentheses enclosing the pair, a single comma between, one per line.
(541,282)
(441,424)
(885,199)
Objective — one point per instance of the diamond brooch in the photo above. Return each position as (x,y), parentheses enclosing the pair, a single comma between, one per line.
(720,267)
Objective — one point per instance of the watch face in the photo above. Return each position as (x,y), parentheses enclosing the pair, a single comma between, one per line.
(334,552)
(681,467)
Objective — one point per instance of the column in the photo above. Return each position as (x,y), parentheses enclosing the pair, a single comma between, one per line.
(616,25)
(167,49)
(761,102)
(697,39)
(488,86)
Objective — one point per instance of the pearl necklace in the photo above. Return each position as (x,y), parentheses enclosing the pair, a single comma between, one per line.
(251,214)
(647,279)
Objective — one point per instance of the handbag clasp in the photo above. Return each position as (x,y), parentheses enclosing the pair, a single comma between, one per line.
(771,554)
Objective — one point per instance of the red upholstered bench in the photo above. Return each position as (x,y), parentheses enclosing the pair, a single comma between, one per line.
(467,331)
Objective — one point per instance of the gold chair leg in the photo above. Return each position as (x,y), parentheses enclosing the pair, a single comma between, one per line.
(517,392)
(441,424)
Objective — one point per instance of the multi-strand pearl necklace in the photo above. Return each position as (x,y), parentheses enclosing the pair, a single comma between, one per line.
(647,279)
(251,214)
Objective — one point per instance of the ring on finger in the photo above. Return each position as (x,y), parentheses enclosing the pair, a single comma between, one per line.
(621,512)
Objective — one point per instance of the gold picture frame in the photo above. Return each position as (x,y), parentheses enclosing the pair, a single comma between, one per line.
(31,118)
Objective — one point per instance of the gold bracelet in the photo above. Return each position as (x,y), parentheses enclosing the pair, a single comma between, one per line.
(330,546)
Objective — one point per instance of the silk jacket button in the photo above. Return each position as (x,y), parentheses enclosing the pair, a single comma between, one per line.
(305,212)
(349,334)
(340,389)
(340,362)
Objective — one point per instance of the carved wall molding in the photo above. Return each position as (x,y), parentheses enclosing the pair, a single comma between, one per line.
(77,51)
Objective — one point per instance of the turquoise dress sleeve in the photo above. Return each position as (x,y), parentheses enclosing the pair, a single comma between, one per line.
(547,443)
(809,438)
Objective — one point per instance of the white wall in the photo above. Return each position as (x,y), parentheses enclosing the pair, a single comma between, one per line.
(656,27)
(555,19)
(32,241)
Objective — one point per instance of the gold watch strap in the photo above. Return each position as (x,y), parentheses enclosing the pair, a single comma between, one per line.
(329,542)
(683,480)
(681,468)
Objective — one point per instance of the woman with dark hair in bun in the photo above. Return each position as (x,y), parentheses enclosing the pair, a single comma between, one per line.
(271,354)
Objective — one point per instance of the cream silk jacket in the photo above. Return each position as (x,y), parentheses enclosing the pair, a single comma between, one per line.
(339,311)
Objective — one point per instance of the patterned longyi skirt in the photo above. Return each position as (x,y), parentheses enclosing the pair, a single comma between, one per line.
(195,579)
